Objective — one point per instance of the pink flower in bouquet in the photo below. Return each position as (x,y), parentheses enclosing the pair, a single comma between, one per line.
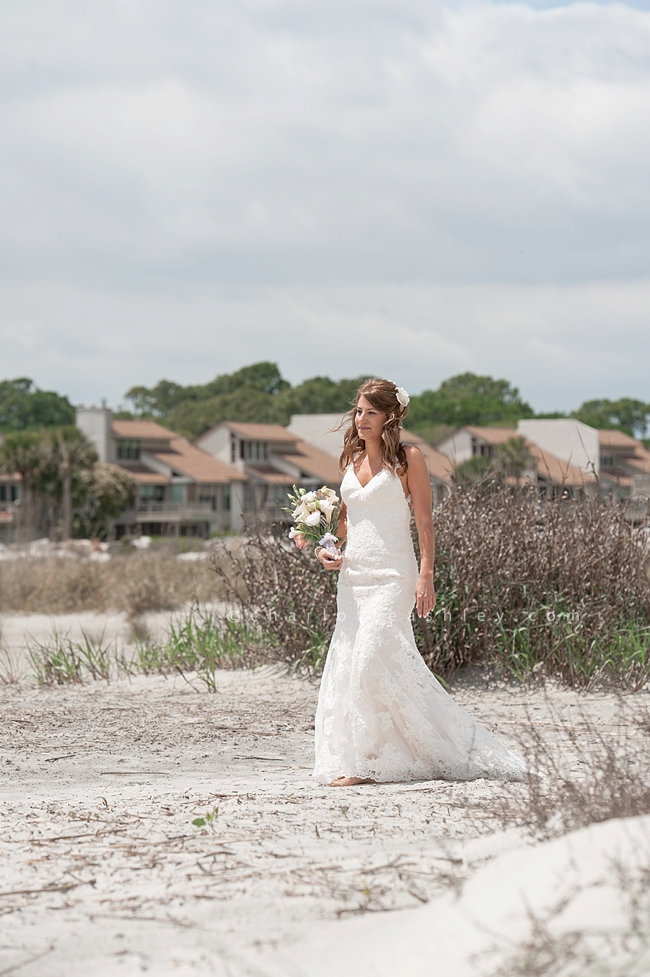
(299,539)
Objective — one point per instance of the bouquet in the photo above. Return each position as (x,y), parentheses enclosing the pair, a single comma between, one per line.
(316,517)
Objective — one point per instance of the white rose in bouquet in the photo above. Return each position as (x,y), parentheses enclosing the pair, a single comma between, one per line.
(313,513)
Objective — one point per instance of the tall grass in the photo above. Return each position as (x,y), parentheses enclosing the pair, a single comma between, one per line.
(197,646)
(201,644)
(61,660)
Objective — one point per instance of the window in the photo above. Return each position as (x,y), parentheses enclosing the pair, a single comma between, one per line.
(208,493)
(226,497)
(607,461)
(152,493)
(8,493)
(482,450)
(254,450)
(128,450)
(249,499)
(233,449)
(178,493)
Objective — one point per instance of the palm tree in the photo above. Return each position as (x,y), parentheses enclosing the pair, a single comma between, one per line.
(70,451)
(22,452)
(515,457)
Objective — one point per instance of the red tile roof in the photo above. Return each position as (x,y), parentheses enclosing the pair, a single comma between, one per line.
(623,480)
(197,464)
(641,462)
(493,435)
(312,461)
(438,464)
(147,477)
(270,475)
(632,452)
(617,439)
(260,432)
(146,430)
(558,471)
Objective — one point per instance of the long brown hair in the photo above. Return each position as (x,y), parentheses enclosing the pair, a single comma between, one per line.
(382,395)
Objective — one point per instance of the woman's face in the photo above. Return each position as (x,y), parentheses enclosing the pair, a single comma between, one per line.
(369,421)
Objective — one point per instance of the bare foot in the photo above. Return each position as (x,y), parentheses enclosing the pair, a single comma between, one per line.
(350,781)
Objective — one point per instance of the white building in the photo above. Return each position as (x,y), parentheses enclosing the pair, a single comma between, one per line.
(569,440)
(272,459)
(182,490)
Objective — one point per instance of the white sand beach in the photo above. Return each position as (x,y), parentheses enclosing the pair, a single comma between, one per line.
(103,872)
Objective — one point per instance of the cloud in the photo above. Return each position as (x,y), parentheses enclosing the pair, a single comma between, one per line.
(560,344)
(185,188)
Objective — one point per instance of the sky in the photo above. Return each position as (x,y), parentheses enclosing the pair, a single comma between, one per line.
(401,188)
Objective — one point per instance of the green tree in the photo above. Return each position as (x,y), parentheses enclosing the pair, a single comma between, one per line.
(626,414)
(319,395)
(25,407)
(167,399)
(469,399)
(107,491)
(71,453)
(263,376)
(22,452)
(191,418)
(514,457)
(156,401)
(475,469)
(510,461)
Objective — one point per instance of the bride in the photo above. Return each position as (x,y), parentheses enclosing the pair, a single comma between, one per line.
(382,716)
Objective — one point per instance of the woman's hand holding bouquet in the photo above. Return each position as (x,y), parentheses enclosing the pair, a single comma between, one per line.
(315,516)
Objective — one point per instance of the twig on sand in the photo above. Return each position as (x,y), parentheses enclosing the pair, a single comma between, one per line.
(48,888)
(23,963)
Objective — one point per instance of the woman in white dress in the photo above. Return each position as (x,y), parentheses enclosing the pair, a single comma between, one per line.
(382,716)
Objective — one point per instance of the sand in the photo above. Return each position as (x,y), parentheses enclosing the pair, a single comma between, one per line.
(103,872)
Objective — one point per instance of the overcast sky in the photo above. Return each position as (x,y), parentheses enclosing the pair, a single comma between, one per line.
(398,187)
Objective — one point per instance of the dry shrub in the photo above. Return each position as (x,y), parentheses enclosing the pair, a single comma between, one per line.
(131,581)
(525,582)
(282,596)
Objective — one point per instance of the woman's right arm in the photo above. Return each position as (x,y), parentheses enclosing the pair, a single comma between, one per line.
(342,532)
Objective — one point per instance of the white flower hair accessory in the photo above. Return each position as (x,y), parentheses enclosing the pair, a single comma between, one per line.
(402,396)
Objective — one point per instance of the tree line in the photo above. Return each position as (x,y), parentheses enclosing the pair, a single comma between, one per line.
(259,393)
(66,491)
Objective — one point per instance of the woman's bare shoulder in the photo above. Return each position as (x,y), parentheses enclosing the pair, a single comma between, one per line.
(412,452)
(410,449)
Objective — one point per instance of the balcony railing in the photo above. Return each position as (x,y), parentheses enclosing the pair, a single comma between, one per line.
(170,511)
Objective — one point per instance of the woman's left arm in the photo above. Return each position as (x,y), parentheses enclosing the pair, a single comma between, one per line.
(419,487)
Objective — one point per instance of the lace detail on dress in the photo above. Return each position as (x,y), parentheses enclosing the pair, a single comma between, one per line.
(381,713)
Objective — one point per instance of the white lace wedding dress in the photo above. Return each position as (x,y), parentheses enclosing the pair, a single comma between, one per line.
(381,713)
